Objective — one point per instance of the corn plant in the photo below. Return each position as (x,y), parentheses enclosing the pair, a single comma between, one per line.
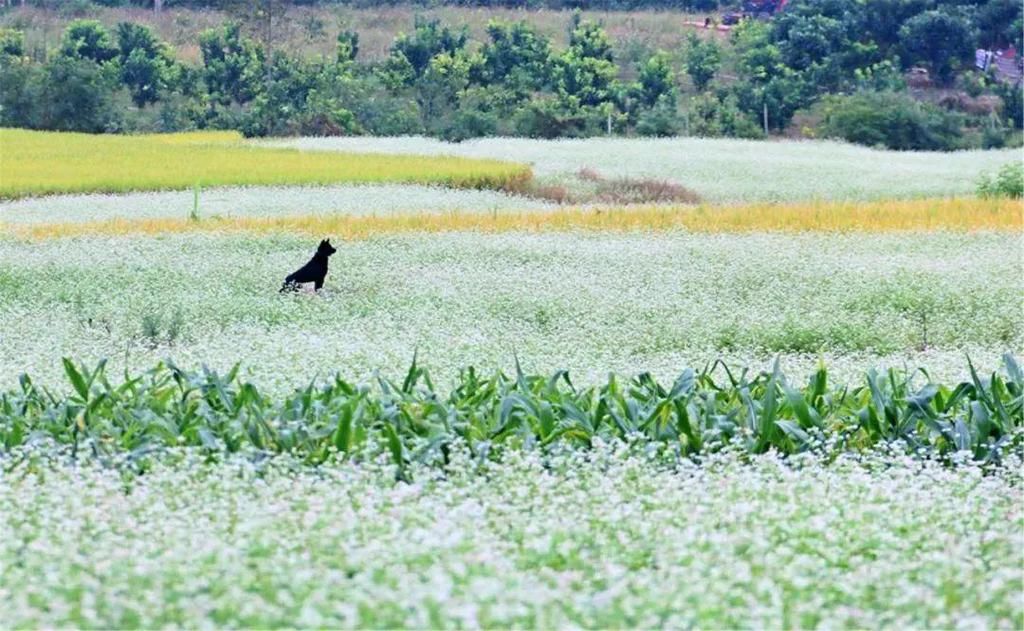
(414,422)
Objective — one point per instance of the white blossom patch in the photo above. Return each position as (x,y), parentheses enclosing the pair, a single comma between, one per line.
(598,539)
(719,169)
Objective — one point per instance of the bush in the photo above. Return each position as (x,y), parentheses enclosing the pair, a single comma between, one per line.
(892,120)
(78,95)
(711,116)
(1008,182)
(660,120)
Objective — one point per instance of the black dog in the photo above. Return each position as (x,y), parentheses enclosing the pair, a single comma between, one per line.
(313,272)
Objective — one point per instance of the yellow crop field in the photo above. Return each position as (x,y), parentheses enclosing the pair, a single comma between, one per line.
(39,163)
(927,215)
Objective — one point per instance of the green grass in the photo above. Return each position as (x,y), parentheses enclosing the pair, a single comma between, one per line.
(39,163)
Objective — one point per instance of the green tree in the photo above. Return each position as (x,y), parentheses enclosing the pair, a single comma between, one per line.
(428,39)
(712,115)
(942,41)
(21,96)
(88,39)
(516,56)
(586,72)
(655,82)
(348,46)
(703,58)
(446,76)
(232,64)
(78,95)
(589,39)
(146,62)
(12,43)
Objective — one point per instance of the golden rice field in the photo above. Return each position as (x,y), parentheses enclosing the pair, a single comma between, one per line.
(40,163)
(958,214)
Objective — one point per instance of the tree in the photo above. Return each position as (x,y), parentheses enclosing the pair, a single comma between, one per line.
(655,82)
(231,64)
(263,19)
(703,58)
(348,46)
(12,43)
(146,62)
(438,89)
(78,95)
(516,56)
(21,95)
(428,40)
(88,39)
(939,40)
(589,39)
(586,72)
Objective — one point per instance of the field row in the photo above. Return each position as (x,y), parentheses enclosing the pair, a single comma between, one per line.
(168,407)
(40,163)
(362,222)
(719,170)
(213,205)
(609,540)
(586,302)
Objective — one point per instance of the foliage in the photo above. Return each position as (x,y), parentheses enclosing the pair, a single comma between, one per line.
(232,64)
(942,40)
(88,39)
(662,119)
(516,57)
(435,82)
(655,83)
(711,115)
(1008,182)
(348,46)
(12,43)
(428,39)
(146,63)
(171,407)
(703,58)
(890,120)
(74,95)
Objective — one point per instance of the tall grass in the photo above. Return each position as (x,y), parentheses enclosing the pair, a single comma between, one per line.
(39,163)
(962,215)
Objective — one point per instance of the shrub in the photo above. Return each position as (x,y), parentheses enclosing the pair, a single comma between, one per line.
(1008,182)
(892,120)
(660,120)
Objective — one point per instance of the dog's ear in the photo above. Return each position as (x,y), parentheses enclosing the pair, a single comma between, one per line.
(327,241)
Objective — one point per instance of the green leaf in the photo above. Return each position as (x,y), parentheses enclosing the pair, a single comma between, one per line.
(76,379)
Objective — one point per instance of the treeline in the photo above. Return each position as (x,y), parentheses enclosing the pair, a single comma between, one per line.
(840,64)
(595,5)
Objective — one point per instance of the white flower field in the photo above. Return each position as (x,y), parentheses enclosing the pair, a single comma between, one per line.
(603,540)
(587,303)
(354,473)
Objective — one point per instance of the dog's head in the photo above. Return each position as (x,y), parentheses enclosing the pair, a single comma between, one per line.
(325,248)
